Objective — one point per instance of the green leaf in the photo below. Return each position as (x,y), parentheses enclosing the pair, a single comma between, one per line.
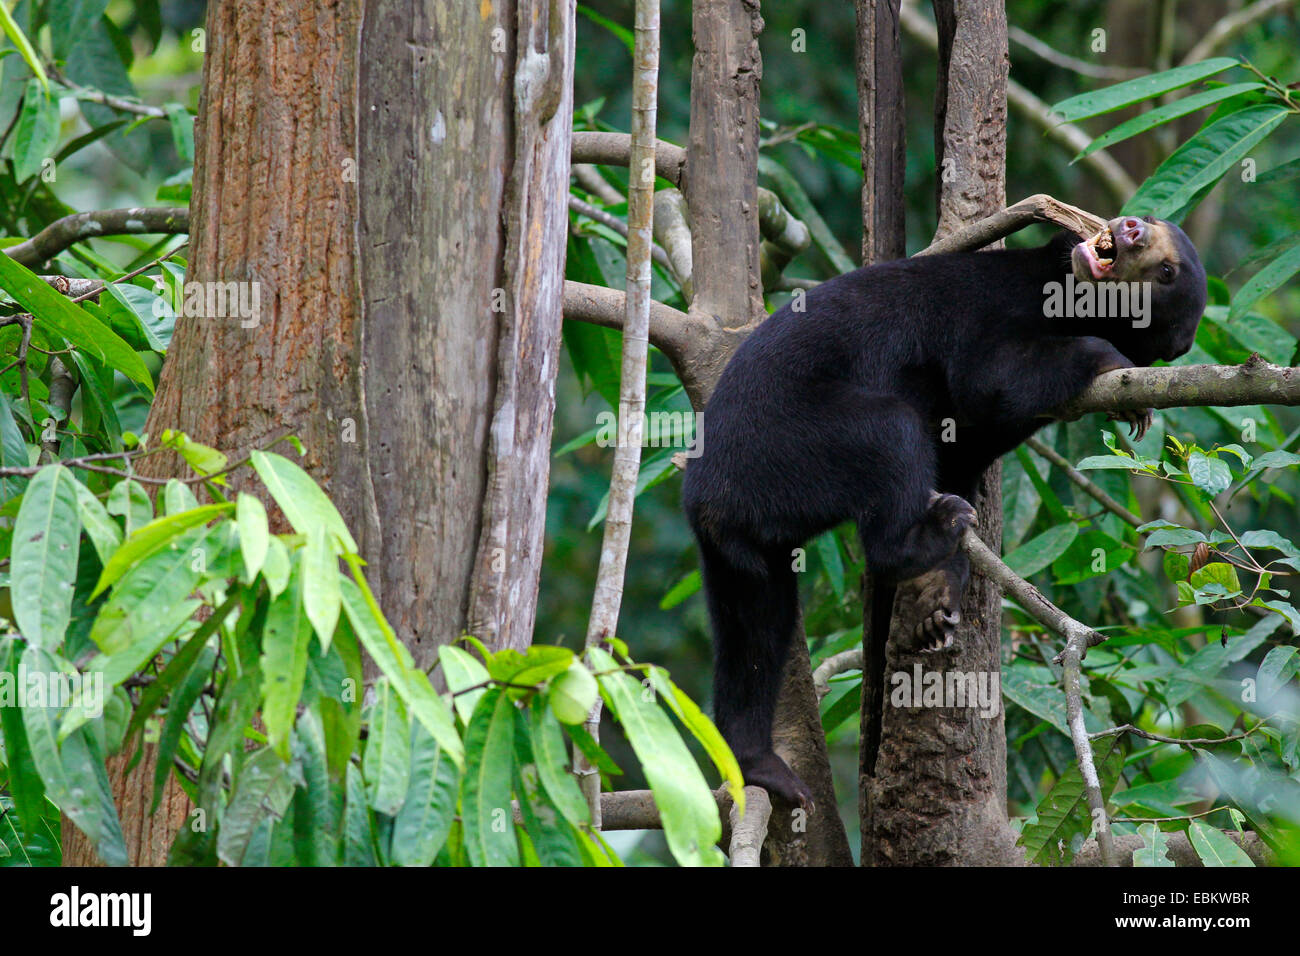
(151,539)
(1280,664)
(1034,689)
(182,124)
(73,774)
(286,637)
(37,133)
(24,46)
(250,518)
(1112,462)
(534,666)
(485,788)
(1163,114)
(1154,849)
(1197,165)
(1214,847)
(178,710)
(204,459)
(462,670)
(573,694)
(13,450)
(1286,610)
(1266,280)
(1063,813)
(178,667)
(318,800)
(553,765)
(680,591)
(395,663)
(130,501)
(828,548)
(424,822)
(43,565)
(704,730)
(358,846)
(262,791)
(56,315)
(24,781)
(145,606)
(320,594)
(686,804)
(301,499)
(1217,572)
(1134,91)
(388,751)
(1264,538)
(552,837)
(1038,552)
(1211,475)
(277,566)
(178,498)
(69,22)
(1173,538)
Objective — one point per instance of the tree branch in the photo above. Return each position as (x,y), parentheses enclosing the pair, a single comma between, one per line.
(1255,382)
(850,660)
(62,233)
(596,214)
(749,832)
(1039,207)
(1088,487)
(670,330)
(1057,58)
(1230,26)
(614,149)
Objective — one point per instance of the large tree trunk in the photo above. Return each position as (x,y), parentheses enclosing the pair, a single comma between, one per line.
(937,795)
(394,179)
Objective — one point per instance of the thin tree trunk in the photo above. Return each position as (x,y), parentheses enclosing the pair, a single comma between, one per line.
(392,182)
(608,597)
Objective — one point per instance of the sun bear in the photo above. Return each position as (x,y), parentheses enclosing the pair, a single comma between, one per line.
(882,402)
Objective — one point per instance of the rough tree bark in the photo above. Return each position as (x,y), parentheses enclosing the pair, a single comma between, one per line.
(395,181)
(881,130)
(937,793)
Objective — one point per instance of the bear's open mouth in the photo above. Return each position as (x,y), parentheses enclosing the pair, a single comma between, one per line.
(1099,251)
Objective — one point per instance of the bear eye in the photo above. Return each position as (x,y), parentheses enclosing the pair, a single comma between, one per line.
(1166,273)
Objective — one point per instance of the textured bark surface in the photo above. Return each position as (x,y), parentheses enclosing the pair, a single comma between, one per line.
(881,131)
(395,181)
(970,112)
(936,795)
(720,180)
(464,160)
(148,835)
(720,183)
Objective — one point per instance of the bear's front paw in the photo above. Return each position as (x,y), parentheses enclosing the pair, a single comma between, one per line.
(951,513)
(1138,420)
